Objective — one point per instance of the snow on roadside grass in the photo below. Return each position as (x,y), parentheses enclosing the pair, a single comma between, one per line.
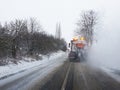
(23,65)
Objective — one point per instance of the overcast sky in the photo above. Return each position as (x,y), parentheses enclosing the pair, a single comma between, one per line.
(67,12)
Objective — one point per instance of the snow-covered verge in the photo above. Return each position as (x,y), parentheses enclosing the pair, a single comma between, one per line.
(12,69)
(114,73)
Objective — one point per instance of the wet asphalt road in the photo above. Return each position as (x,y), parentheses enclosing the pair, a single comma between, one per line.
(82,77)
(86,77)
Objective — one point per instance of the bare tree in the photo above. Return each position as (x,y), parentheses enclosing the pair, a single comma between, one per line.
(17,28)
(22,37)
(86,25)
(34,26)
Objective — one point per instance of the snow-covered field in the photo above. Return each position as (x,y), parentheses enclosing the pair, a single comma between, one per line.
(11,69)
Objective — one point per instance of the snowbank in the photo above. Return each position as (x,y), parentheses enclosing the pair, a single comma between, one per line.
(12,69)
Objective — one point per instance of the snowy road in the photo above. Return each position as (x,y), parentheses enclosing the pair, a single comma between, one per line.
(27,79)
(60,74)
